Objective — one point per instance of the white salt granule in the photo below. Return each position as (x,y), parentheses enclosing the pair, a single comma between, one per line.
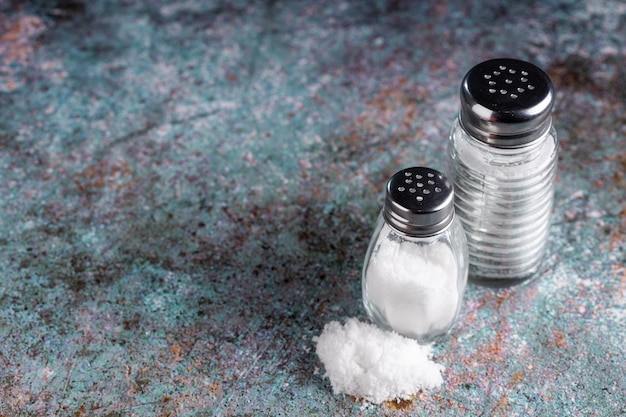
(376,365)
(414,287)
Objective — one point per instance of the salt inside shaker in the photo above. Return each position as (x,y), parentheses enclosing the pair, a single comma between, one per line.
(502,156)
(415,268)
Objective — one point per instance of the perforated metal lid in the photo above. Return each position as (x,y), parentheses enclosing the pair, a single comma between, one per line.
(506,102)
(419,201)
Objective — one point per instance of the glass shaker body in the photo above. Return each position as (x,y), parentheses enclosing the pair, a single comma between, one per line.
(414,283)
(502,158)
(504,198)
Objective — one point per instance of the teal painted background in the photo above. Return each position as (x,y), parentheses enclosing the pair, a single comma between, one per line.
(188,189)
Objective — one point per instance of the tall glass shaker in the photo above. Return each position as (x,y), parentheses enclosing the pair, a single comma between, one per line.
(415,269)
(502,157)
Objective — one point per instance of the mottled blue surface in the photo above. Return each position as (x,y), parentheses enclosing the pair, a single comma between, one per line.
(188,189)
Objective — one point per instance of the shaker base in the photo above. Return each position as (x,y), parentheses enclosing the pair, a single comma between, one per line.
(502,282)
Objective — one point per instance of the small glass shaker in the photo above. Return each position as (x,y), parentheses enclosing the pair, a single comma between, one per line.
(415,269)
(502,157)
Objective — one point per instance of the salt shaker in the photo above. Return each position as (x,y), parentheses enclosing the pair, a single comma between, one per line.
(415,268)
(502,157)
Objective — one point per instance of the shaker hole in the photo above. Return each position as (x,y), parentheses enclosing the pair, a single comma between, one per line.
(492,83)
(430,175)
(426,191)
(487,76)
(491,90)
(524,73)
(407,174)
(418,176)
(503,91)
(419,198)
(419,185)
(508,81)
(520,90)
(412,190)
(496,73)
(437,189)
(531,87)
(523,79)
(401,189)
(431,182)
(512,71)
(408,181)
(513,95)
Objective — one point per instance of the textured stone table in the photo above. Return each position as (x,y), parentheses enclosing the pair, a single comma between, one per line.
(188,189)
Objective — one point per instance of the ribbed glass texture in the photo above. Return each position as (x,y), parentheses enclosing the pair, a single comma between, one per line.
(504,200)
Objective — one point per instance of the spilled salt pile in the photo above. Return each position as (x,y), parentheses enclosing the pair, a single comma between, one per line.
(366,362)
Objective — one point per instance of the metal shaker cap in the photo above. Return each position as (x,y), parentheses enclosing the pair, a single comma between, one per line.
(506,102)
(419,201)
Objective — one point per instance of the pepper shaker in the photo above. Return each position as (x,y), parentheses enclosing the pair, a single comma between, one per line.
(415,269)
(502,157)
